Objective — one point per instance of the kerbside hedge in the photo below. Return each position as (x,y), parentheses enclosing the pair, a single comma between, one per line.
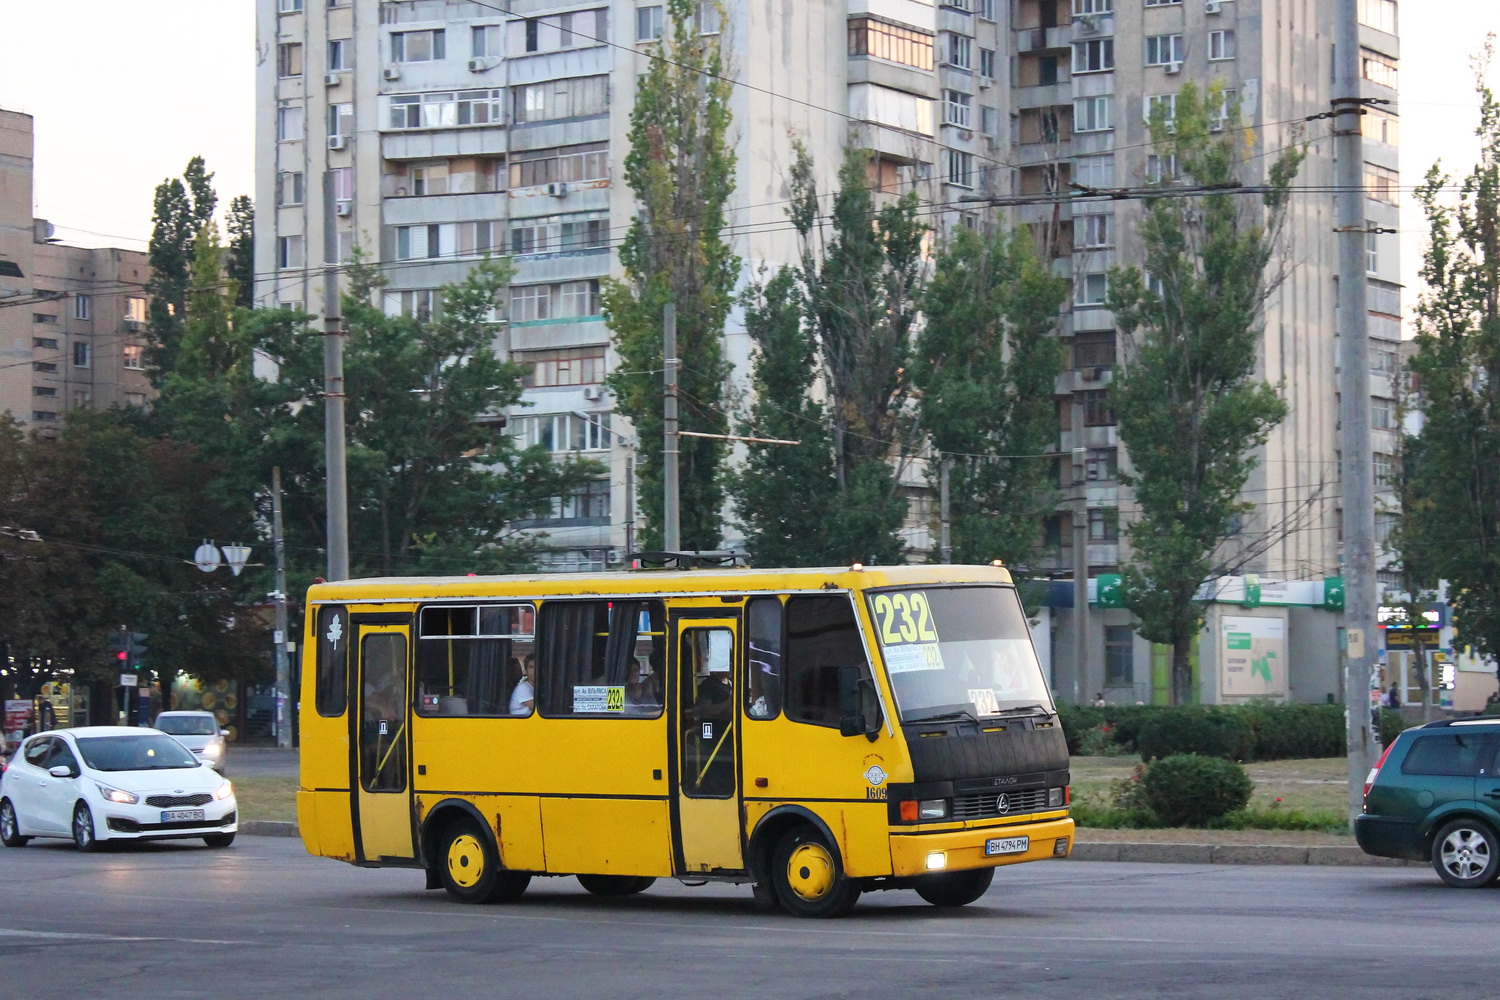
(1233,732)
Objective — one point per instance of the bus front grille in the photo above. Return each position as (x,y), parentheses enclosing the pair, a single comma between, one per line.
(989,805)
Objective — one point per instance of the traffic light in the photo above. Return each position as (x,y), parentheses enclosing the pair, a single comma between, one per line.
(119,648)
(137,649)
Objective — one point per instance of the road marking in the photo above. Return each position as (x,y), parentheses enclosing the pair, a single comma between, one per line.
(8,932)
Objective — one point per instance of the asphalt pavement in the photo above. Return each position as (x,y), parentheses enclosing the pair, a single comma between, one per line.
(263,919)
(261,761)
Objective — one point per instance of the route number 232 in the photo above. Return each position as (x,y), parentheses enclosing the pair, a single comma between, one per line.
(904,618)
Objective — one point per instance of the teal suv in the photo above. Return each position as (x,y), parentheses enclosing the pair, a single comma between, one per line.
(1434,795)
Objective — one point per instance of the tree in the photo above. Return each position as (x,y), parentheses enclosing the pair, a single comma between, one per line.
(861,276)
(1191,411)
(681,169)
(1450,526)
(985,364)
(183,206)
(242,249)
(786,495)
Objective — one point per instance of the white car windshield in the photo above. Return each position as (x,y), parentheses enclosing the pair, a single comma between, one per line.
(147,752)
(188,725)
(958,652)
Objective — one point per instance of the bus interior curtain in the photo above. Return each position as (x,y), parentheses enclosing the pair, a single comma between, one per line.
(623,627)
(487,659)
(567,642)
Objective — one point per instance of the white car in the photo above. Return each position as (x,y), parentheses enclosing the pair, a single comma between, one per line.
(112,783)
(199,732)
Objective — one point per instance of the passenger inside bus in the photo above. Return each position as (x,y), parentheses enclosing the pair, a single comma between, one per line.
(524,696)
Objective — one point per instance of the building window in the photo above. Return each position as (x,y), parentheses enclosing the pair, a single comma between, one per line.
(341,120)
(1166,102)
(1095,171)
(1377,68)
(44,366)
(288,252)
(134,355)
(1385,361)
(418,46)
(1382,183)
(586,503)
(649,22)
(1221,45)
(1378,14)
(289,187)
(1103,464)
(289,59)
(1380,126)
(576,97)
(1162,169)
(987,64)
(45,343)
(81,354)
(414,303)
(1119,665)
(446,109)
(137,399)
(1163,3)
(1091,289)
(559,366)
(1372,247)
(1093,114)
(43,416)
(485,41)
(958,50)
(1096,409)
(80,398)
(960,167)
(1384,469)
(135,309)
(561,433)
(567,164)
(288,124)
(989,121)
(890,42)
(1382,413)
(43,318)
(340,54)
(560,233)
(1164,49)
(578,299)
(957,109)
(425,241)
(288,6)
(985,9)
(82,306)
(44,390)
(567,300)
(1088,8)
(1093,232)
(1094,56)
(706,16)
(1104,524)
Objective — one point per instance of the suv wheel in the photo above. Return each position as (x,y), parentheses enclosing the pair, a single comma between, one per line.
(1466,854)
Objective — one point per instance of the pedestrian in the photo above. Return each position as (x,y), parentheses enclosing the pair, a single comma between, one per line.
(1393,696)
(1099,701)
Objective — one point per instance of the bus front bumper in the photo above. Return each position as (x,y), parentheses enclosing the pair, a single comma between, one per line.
(959,850)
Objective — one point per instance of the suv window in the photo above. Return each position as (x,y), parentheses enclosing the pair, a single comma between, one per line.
(1451,754)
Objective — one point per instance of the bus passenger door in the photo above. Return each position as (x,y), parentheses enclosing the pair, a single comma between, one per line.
(708,806)
(382,794)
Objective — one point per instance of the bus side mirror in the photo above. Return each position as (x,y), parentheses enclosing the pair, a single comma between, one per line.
(859,709)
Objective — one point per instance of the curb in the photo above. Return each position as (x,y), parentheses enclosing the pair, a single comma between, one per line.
(268,828)
(1233,854)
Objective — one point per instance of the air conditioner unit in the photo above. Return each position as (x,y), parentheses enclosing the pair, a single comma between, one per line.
(1212,7)
(337,142)
(1088,24)
(557,189)
(477,66)
(1173,68)
(391,73)
(133,326)
(592,393)
(343,206)
(614,557)
(333,79)
(1216,126)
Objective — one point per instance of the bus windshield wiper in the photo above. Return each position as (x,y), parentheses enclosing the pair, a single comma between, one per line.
(945,715)
(1025,708)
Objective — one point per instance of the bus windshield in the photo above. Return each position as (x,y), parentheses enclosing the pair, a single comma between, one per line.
(958,652)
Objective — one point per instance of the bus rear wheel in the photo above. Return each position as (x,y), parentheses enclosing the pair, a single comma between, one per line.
(955,888)
(616,885)
(469,866)
(808,877)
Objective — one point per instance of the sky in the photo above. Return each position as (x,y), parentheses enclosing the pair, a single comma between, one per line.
(124,92)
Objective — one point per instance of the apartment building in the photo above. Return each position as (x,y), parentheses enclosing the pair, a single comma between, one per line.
(72,319)
(1088,75)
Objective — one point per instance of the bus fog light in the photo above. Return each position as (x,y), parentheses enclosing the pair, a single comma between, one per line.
(936,860)
(932,809)
(1060,848)
(1055,798)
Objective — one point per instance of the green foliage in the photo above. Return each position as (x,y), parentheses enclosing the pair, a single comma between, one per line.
(1189,790)
(241,264)
(1193,730)
(1275,732)
(1191,409)
(985,364)
(183,206)
(1450,527)
(681,169)
(1393,723)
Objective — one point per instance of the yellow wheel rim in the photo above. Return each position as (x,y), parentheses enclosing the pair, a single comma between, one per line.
(465,861)
(810,871)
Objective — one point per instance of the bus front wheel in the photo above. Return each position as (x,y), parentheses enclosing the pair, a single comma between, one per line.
(469,866)
(808,877)
(616,885)
(955,888)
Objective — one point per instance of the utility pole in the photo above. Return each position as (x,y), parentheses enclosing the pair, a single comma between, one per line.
(333,395)
(671,523)
(283,675)
(1354,402)
(1080,559)
(946,542)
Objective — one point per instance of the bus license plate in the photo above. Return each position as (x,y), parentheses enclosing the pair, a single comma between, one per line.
(181,815)
(1006,845)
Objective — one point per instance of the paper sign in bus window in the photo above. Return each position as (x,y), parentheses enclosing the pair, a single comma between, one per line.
(598,698)
(907,657)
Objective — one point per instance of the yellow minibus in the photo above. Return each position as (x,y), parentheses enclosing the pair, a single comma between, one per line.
(815,733)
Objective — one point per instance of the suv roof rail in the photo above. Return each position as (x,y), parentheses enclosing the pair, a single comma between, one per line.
(1477,720)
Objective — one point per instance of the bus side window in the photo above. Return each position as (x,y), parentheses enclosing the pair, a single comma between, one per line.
(470,658)
(822,635)
(332,692)
(600,658)
(763,670)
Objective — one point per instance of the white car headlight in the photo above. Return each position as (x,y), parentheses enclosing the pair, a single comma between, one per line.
(213,749)
(224,791)
(117,795)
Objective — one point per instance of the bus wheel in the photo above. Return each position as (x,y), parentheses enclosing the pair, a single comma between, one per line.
(808,878)
(470,867)
(616,885)
(955,888)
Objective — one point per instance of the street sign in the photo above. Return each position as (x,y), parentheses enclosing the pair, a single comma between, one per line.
(128,680)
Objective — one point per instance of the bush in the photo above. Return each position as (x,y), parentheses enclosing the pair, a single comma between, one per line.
(1192,790)
(1275,732)
(1392,724)
(1209,732)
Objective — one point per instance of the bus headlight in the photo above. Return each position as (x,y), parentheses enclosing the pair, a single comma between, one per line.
(932,809)
(936,860)
(1056,798)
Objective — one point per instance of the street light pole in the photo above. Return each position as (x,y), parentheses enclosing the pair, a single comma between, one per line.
(283,674)
(333,395)
(671,512)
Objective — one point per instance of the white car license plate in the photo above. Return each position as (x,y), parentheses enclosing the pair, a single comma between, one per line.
(181,815)
(1006,845)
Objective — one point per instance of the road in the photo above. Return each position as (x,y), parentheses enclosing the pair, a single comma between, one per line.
(261,762)
(262,919)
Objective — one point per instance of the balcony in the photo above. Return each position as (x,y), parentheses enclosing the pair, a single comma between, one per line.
(1044,39)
